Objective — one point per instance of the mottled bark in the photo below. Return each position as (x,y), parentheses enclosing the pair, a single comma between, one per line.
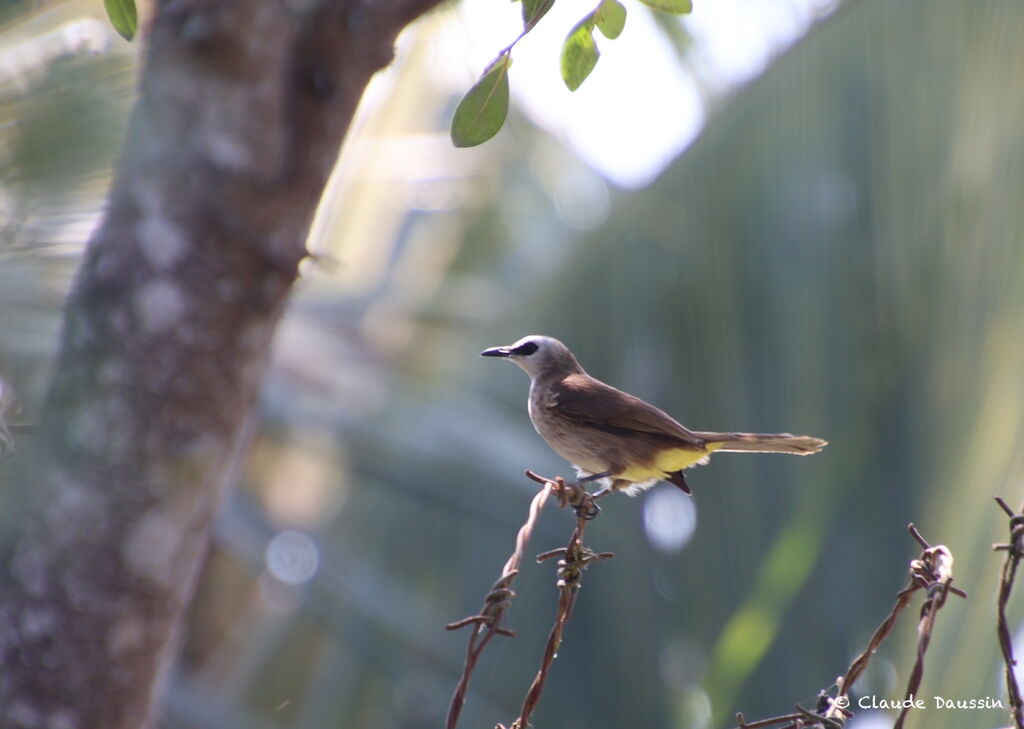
(243,105)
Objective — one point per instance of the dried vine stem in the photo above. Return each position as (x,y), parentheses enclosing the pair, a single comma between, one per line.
(487,622)
(1014,550)
(575,558)
(933,572)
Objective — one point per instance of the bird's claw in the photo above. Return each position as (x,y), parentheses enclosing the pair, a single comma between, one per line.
(587,509)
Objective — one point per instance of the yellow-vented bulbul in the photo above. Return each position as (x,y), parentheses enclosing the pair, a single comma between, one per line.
(608,434)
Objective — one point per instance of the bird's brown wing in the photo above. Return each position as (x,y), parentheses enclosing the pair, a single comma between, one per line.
(587,401)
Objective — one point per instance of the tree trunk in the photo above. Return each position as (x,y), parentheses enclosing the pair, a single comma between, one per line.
(242,108)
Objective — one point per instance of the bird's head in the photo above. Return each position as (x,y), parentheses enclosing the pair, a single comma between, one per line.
(538,355)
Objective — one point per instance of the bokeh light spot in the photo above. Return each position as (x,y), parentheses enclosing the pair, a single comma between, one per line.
(292,557)
(669,519)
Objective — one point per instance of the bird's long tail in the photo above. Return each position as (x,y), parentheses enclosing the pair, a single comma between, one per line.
(800,445)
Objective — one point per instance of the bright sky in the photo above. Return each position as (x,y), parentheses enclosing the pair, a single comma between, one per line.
(640,107)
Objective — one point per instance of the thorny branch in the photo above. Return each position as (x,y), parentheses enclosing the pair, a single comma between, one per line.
(575,558)
(487,622)
(933,572)
(1014,550)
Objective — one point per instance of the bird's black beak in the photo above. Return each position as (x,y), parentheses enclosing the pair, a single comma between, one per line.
(497,352)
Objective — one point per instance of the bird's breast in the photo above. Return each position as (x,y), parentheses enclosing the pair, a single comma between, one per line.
(572,441)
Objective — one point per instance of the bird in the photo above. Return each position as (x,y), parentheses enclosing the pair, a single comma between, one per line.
(614,437)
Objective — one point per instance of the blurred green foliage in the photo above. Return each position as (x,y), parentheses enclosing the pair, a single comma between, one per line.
(839,254)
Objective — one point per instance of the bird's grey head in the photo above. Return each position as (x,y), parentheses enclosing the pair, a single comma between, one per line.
(538,355)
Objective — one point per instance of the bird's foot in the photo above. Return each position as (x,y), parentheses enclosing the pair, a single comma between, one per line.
(601,493)
(583,504)
(586,508)
(573,494)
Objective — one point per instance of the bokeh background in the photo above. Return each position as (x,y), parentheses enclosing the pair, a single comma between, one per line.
(827,239)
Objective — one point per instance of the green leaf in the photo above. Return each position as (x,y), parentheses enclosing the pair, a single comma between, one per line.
(679,7)
(610,18)
(483,109)
(579,53)
(123,17)
(534,10)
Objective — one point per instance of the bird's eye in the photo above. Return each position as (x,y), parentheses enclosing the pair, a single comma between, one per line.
(525,349)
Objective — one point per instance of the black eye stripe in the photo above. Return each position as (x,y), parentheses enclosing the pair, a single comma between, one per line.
(526,349)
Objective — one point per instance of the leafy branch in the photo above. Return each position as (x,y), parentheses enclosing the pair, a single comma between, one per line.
(482,111)
(123,17)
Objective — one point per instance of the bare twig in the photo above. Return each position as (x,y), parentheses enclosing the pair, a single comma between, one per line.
(742,722)
(1014,550)
(815,718)
(881,633)
(487,622)
(933,572)
(575,558)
